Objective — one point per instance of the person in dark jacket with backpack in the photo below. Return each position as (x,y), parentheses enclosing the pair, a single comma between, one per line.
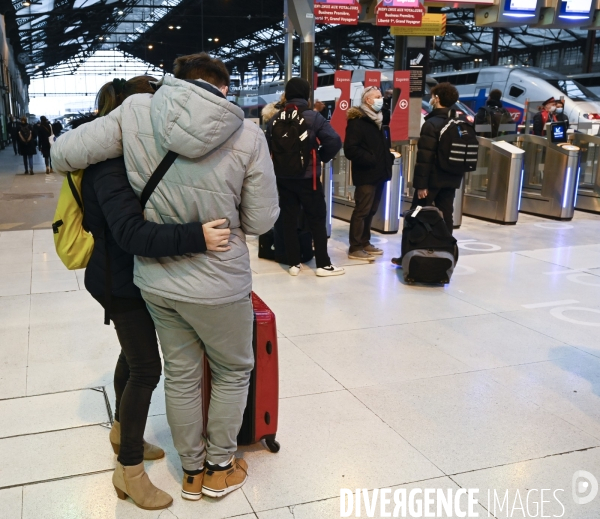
(114,215)
(306,191)
(493,114)
(432,185)
(27,145)
(367,147)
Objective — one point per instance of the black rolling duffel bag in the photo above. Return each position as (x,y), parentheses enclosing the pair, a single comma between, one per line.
(429,251)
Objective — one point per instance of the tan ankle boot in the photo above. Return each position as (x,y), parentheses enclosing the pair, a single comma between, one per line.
(151,452)
(135,483)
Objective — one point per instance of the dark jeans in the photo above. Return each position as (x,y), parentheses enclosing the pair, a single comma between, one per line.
(15,144)
(366,203)
(443,199)
(48,161)
(295,196)
(30,159)
(136,376)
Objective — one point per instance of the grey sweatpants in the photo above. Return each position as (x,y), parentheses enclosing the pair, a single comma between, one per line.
(187,332)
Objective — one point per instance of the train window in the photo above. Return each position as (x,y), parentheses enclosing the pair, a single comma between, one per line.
(572,89)
(516,91)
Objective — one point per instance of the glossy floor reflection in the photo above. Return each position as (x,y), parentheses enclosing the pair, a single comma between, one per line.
(492,382)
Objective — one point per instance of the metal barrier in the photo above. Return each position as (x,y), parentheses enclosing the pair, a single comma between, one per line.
(493,190)
(549,177)
(327,181)
(387,218)
(588,185)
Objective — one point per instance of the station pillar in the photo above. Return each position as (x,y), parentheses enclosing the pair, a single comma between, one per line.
(301,14)
(288,43)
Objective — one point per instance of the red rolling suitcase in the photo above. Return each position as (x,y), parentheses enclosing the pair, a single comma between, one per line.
(260,416)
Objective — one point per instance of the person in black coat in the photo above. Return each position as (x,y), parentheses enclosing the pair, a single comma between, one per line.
(493,114)
(369,150)
(546,114)
(13,131)
(432,185)
(560,114)
(114,215)
(27,145)
(44,135)
(306,193)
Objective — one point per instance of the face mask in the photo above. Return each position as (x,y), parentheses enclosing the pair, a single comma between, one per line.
(377,105)
(552,109)
(432,103)
(559,110)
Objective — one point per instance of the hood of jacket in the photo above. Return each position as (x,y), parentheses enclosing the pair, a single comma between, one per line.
(269,111)
(192,118)
(355,113)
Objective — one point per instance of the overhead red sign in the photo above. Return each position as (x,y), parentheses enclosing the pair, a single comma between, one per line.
(372,78)
(399,120)
(401,3)
(393,16)
(342,81)
(337,12)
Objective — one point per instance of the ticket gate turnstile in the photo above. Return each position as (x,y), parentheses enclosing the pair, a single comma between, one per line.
(493,190)
(588,190)
(387,218)
(549,177)
(327,181)
(409,159)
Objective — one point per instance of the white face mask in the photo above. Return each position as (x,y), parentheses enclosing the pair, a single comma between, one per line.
(552,109)
(377,104)
(432,103)
(559,110)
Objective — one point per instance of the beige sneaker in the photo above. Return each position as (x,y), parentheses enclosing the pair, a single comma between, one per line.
(219,483)
(191,488)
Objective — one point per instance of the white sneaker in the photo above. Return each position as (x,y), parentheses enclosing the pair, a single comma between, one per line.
(295,270)
(331,270)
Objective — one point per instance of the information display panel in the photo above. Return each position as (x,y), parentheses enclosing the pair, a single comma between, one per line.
(575,9)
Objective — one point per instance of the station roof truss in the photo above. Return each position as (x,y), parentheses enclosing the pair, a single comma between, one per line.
(56,37)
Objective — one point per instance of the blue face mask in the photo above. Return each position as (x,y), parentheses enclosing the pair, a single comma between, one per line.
(559,110)
(377,105)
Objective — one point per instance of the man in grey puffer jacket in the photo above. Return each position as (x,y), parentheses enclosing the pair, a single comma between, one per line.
(200,303)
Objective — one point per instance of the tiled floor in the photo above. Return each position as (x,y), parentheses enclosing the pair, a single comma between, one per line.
(492,382)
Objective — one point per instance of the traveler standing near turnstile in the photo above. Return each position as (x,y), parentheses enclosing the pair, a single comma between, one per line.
(433,186)
(368,148)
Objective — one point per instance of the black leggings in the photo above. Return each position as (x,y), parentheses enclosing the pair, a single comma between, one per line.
(136,376)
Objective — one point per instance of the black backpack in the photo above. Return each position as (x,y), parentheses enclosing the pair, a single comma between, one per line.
(497,116)
(458,148)
(290,143)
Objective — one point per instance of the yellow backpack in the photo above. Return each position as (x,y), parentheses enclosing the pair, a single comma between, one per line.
(74,245)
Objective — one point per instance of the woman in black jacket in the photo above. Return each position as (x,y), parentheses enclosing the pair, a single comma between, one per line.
(44,134)
(27,144)
(114,216)
(369,150)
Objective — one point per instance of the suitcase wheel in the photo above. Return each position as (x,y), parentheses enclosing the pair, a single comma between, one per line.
(272,445)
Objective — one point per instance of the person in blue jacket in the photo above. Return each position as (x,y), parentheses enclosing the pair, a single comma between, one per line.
(114,215)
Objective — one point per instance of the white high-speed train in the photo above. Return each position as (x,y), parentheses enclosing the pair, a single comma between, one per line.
(520,83)
(254,101)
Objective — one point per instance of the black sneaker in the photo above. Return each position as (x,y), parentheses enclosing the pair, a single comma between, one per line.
(397,262)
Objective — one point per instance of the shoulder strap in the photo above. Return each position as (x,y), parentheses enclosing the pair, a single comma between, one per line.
(74,191)
(157,176)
